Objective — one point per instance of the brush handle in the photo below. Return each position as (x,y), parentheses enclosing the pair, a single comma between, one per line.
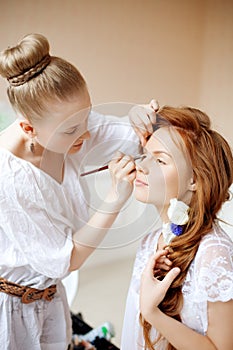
(95,170)
(105,167)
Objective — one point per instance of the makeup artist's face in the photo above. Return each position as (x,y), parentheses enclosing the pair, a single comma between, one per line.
(64,128)
(165,171)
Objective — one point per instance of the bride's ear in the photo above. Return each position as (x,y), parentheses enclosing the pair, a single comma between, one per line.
(192,185)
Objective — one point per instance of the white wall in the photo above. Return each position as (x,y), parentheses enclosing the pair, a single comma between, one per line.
(128,50)
(216,75)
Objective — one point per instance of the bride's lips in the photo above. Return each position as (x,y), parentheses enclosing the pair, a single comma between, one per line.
(139,182)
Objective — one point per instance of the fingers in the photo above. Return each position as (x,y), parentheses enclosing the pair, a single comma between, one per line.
(121,160)
(127,170)
(123,173)
(123,167)
(152,262)
(151,270)
(170,276)
(151,110)
(142,118)
(157,263)
(154,105)
(152,289)
(163,264)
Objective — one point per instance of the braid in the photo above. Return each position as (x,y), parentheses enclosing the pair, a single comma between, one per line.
(29,74)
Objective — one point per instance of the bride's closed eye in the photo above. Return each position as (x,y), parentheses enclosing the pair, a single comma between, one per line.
(160,161)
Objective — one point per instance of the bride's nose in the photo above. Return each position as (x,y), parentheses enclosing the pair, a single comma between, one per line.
(142,164)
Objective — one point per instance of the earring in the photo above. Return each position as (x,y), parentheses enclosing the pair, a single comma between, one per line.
(32,145)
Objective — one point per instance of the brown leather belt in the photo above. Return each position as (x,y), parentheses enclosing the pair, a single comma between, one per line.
(27,294)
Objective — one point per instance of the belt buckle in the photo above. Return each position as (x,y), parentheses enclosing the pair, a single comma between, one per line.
(30,295)
(48,293)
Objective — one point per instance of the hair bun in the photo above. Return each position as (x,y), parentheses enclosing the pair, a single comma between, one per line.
(32,52)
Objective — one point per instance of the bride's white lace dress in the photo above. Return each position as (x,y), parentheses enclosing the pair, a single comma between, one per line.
(209,278)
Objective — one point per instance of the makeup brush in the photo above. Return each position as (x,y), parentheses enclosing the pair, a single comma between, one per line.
(105,167)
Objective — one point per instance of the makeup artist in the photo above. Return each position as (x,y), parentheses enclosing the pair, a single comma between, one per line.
(45,232)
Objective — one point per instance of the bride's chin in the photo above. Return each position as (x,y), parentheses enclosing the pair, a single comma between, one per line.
(139,197)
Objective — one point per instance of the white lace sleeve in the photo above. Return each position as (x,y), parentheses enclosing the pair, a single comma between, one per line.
(214,268)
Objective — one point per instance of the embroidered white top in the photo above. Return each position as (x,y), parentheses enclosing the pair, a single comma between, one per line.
(209,278)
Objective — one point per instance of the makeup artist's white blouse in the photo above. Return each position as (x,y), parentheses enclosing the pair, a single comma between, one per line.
(38,217)
(209,278)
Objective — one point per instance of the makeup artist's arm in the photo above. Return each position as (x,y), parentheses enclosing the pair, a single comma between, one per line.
(122,170)
(220,315)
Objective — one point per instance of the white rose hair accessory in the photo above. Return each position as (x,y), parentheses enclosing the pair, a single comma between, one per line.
(178,216)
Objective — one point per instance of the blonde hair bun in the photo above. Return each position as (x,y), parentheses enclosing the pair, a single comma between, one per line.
(31,55)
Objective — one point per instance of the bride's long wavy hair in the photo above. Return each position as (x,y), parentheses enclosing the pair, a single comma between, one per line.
(212,164)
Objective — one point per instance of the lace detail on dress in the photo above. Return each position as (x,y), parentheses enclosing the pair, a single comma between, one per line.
(210,277)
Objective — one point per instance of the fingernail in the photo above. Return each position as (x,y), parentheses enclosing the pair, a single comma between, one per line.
(176,270)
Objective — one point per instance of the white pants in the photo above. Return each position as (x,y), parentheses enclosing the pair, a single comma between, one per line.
(40,325)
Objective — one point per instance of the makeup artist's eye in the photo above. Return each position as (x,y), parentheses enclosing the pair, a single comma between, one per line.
(70,132)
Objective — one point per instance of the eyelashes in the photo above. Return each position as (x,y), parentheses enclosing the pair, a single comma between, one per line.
(71,132)
(157,159)
(160,161)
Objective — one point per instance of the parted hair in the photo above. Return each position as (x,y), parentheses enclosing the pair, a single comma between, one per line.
(212,164)
(36,78)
